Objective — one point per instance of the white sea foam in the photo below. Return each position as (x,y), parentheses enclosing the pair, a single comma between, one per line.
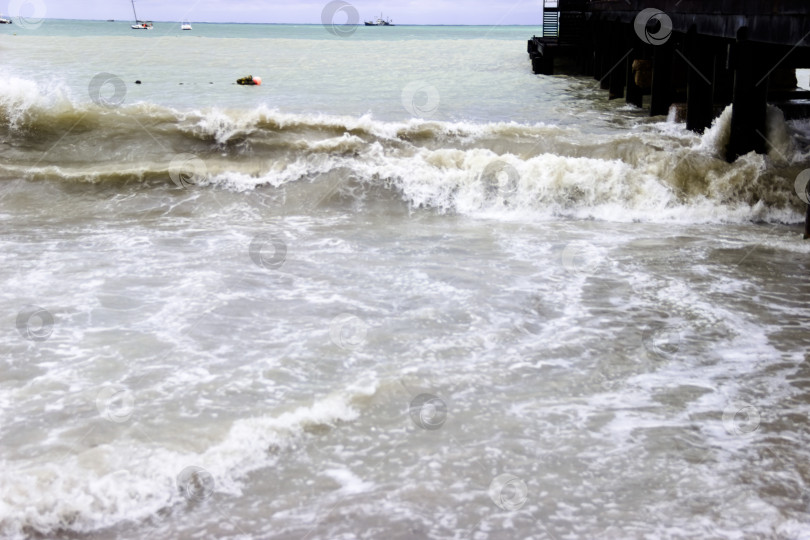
(111,484)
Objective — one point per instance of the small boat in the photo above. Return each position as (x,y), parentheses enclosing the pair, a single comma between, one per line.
(380,22)
(139,24)
(5,21)
(250,80)
(185,26)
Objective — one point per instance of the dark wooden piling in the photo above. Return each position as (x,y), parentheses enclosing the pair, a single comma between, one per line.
(598,57)
(722,75)
(661,97)
(543,64)
(618,64)
(634,93)
(699,108)
(606,58)
(586,56)
(749,104)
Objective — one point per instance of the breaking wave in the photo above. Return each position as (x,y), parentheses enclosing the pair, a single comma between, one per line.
(651,172)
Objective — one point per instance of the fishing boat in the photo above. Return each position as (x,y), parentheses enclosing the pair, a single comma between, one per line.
(5,21)
(380,22)
(185,26)
(139,24)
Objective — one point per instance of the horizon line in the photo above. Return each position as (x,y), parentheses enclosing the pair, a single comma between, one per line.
(276,23)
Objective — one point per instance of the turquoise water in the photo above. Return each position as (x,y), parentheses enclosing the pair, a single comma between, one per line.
(73,28)
(404,288)
(305,69)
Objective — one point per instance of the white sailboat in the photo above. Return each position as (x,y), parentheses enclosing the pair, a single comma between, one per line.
(185,26)
(139,24)
(5,21)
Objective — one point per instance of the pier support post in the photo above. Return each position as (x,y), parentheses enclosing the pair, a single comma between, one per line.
(598,52)
(587,56)
(606,57)
(635,94)
(543,62)
(661,97)
(617,64)
(749,104)
(723,77)
(699,106)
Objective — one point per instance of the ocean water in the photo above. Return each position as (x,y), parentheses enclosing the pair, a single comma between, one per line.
(404,288)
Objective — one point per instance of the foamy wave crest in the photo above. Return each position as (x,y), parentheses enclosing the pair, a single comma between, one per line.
(224,126)
(22,101)
(550,186)
(108,485)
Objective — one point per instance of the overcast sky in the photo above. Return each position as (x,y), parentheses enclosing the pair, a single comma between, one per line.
(485,12)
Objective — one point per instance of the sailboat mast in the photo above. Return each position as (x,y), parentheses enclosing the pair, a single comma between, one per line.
(133,11)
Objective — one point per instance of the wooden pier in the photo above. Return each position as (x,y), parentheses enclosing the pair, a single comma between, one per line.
(698,54)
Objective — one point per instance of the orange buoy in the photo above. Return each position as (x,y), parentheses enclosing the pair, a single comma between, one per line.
(257,81)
